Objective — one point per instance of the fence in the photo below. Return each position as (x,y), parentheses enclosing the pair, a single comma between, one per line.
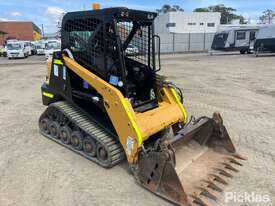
(187,42)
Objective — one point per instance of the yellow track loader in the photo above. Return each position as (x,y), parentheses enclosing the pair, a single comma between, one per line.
(106,101)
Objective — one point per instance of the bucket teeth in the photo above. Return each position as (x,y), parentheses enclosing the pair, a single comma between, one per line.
(232,160)
(208,194)
(198,201)
(224,173)
(213,186)
(219,179)
(228,166)
(239,157)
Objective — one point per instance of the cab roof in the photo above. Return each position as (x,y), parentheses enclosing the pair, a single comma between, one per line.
(122,13)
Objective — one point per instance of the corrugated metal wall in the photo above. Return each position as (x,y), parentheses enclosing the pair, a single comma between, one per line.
(187,42)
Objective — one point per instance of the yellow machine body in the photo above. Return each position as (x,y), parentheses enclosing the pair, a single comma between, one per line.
(132,126)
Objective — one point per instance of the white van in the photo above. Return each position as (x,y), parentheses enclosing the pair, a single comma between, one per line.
(28,47)
(33,48)
(51,47)
(17,50)
(40,47)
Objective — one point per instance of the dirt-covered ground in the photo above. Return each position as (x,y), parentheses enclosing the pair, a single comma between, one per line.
(35,171)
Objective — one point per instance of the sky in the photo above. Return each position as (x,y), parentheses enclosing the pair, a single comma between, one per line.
(47,12)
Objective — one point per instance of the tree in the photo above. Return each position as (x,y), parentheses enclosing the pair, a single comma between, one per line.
(201,10)
(267,16)
(177,8)
(227,13)
(168,8)
(241,19)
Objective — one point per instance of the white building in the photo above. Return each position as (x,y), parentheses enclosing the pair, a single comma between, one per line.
(187,22)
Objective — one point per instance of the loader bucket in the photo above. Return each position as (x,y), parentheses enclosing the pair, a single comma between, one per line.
(194,166)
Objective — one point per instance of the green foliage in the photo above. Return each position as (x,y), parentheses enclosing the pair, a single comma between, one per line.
(168,8)
(267,16)
(227,13)
(201,10)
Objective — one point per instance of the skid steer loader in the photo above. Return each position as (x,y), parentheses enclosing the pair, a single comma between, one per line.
(105,101)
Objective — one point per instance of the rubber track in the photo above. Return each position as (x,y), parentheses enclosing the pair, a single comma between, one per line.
(91,128)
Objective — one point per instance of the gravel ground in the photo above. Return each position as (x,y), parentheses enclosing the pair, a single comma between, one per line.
(37,59)
(35,171)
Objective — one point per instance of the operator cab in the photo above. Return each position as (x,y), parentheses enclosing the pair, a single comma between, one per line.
(118,45)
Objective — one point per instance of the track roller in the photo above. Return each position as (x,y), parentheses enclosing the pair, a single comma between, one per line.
(77,140)
(54,129)
(89,146)
(102,153)
(65,134)
(44,125)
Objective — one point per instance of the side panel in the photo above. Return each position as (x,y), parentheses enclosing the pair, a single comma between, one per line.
(48,95)
(219,41)
(57,81)
(267,44)
(59,76)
